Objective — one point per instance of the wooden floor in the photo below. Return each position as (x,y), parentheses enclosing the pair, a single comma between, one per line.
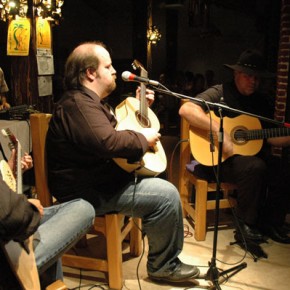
(265,274)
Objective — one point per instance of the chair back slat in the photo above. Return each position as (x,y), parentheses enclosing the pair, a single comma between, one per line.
(39,125)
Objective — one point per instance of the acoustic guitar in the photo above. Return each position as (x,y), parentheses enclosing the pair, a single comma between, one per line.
(15,185)
(245,132)
(134,114)
(21,262)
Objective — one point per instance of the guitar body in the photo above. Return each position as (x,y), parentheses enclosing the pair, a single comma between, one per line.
(200,139)
(7,175)
(126,114)
(154,161)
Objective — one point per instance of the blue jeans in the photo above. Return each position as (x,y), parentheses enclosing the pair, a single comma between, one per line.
(157,203)
(61,227)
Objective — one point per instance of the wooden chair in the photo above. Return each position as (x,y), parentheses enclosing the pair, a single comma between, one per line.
(24,267)
(110,225)
(197,210)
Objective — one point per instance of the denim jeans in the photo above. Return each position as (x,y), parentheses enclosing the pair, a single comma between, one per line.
(157,203)
(61,227)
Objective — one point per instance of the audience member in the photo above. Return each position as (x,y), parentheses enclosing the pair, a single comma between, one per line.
(3,91)
(199,84)
(209,78)
(189,83)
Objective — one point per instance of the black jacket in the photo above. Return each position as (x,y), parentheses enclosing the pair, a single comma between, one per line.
(18,220)
(81,142)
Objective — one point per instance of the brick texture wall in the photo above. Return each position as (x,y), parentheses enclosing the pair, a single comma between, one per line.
(283,66)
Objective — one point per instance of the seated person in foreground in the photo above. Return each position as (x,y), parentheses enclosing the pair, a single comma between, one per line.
(55,229)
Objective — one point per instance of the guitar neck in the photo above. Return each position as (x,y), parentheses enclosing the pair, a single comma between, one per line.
(18,170)
(262,133)
(143,102)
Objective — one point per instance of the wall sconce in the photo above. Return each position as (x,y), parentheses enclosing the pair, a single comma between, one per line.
(10,8)
(153,35)
(49,9)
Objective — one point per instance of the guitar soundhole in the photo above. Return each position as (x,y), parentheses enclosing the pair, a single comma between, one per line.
(143,120)
(239,135)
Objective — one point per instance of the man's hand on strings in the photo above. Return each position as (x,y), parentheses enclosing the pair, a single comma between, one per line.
(150,95)
(26,161)
(151,135)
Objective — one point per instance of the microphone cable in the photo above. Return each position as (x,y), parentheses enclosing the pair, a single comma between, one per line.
(143,234)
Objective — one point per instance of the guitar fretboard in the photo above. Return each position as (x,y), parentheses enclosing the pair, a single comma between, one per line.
(143,109)
(261,134)
(17,171)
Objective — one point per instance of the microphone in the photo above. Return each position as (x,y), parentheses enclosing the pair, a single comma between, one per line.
(129,77)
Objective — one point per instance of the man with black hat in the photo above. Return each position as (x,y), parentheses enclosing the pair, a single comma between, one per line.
(263,181)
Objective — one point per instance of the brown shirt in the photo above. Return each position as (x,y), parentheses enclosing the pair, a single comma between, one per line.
(81,143)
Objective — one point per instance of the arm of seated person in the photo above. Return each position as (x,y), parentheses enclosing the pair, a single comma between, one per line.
(19,219)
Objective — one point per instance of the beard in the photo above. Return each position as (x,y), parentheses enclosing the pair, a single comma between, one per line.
(111,87)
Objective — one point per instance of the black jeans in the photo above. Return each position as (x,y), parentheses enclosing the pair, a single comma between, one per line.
(263,192)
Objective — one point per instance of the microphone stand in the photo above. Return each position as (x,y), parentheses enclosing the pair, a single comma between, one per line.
(213,274)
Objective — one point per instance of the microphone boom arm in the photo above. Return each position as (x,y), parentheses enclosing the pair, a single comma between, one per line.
(214,105)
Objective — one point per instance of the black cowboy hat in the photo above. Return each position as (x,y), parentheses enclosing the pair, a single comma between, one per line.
(251,62)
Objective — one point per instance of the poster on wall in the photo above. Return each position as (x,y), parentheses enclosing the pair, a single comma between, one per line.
(45,64)
(44,57)
(18,37)
(43,34)
(44,86)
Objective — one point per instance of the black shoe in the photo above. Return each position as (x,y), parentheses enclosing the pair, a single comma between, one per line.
(250,233)
(277,234)
(181,274)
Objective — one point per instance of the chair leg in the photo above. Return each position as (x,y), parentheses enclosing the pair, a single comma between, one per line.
(57,285)
(114,251)
(201,209)
(136,237)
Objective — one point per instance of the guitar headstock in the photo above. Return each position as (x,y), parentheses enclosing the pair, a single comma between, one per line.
(137,65)
(13,141)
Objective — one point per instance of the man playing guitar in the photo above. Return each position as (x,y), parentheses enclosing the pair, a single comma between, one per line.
(263,180)
(82,142)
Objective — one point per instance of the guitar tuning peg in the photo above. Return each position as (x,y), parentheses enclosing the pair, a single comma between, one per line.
(4,132)
(11,146)
(134,66)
